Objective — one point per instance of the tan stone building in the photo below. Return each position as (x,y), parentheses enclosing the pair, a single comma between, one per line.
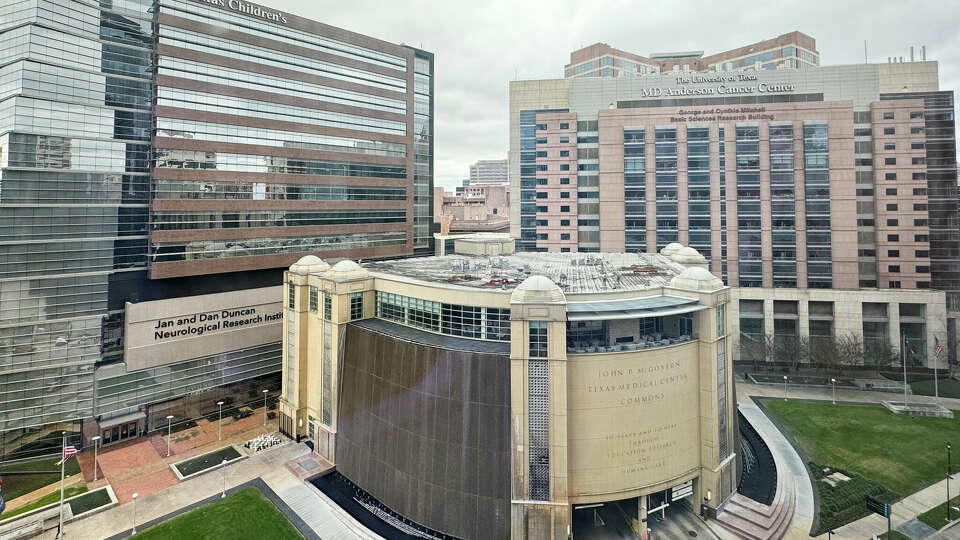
(474,208)
(494,396)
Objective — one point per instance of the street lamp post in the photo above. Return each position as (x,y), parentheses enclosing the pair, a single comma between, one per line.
(96,444)
(784,387)
(948,482)
(169,419)
(223,464)
(135,513)
(220,420)
(265,407)
(833,383)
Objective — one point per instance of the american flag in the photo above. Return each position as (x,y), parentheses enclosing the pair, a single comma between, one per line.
(938,349)
(68,452)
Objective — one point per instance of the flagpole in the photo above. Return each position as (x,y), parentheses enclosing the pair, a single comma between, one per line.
(936,391)
(63,466)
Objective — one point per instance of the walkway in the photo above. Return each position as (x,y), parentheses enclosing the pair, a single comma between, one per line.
(269,465)
(745,390)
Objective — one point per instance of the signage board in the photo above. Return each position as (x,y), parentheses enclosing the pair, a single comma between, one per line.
(683,490)
(878,507)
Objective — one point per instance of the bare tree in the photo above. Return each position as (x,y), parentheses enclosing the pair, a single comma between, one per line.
(850,350)
(791,350)
(824,351)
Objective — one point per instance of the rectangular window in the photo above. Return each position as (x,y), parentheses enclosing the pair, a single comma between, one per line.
(920,222)
(291,296)
(921,238)
(918,161)
(890,161)
(889,146)
(916,130)
(356,306)
(916,114)
(564,166)
(890,175)
(893,238)
(564,222)
(564,139)
(922,253)
(891,191)
(564,153)
(538,339)
(894,285)
(564,181)
(314,303)
(889,131)
(564,194)
(893,268)
(893,253)
(564,208)
(721,320)
(327,306)
(892,207)
(564,125)
(919,176)
(916,146)
(892,222)
(888,115)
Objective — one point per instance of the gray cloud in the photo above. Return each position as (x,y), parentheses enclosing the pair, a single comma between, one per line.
(481,46)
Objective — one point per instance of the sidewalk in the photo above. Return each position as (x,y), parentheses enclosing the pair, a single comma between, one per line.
(269,465)
(747,389)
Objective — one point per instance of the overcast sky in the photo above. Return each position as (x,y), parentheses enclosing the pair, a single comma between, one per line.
(481,45)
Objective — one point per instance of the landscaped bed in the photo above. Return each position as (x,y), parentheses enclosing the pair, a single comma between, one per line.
(207,461)
(937,517)
(873,446)
(246,514)
(50,498)
(89,501)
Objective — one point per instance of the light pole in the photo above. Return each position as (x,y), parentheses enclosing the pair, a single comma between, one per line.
(833,383)
(784,387)
(169,419)
(948,482)
(219,420)
(223,470)
(135,513)
(96,443)
(265,407)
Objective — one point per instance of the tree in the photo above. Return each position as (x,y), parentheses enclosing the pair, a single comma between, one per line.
(850,350)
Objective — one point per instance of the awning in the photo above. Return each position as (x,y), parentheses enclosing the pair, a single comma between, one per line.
(123,419)
(632,308)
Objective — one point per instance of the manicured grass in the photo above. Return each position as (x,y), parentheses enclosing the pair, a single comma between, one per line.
(15,485)
(89,501)
(946,387)
(894,535)
(246,514)
(902,453)
(43,501)
(801,379)
(207,461)
(937,517)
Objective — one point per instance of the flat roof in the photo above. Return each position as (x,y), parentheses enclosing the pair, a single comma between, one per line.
(573,272)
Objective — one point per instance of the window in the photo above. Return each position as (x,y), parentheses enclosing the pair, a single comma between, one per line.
(565,250)
(920,191)
(918,161)
(920,207)
(327,306)
(921,238)
(564,222)
(543,236)
(894,284)
(923,284)
(890,161)
(888,115)
(538,339)
(564,125)
(541,194)
(564,181)
(542,153)
(889,146)
(893,238)
(916,114)
(916,146)
(564,194)
(291,296)
(889,131)
(564,139)
(919,176)
(564,166)
(865,192)
(541,127)
(922,253)
(314,303)
(890,175)
(893,253)
(564,208)
(891,191)
(892,222)
(541,209)
(893,268)
(923,269)
(356,306)
(916,130)
(564,236)
(860,117)
(892,207)
(721,319)
(920,222)
(564,153)
(541,181)
(862,132)
(541,168)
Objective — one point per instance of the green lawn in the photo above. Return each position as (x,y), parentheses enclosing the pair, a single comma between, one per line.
(246,514)
(207,461)
(43,501)
(894,535)
(937,517)
(15,485)
(902,453)
(89,501)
